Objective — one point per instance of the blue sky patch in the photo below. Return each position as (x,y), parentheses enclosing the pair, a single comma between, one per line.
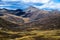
(22,4)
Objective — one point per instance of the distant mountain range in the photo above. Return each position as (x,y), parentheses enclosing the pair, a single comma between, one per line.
(31,12)
(32,17)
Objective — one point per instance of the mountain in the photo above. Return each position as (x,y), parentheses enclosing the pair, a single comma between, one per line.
(17,12)
(4,24)
(42,19)
(35,13)
(37,19)
(51,22)
(29,24)
(13,15)
(30,14)
(13,18)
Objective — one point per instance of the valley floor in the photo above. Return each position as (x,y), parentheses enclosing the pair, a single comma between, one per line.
(30,35)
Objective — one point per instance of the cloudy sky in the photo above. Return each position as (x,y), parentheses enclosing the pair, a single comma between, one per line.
(22,4)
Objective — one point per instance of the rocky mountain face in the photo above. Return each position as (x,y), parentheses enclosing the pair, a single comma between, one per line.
(30,16)
(12,15)
(43,19)
(35,13)
(47,23)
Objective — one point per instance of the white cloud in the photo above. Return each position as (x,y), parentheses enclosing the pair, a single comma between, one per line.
(10,0)
(47,3)
(50,4)
(34,1)
(5,5)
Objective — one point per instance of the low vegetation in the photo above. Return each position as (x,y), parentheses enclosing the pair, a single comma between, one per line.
(50,30)
(30,35)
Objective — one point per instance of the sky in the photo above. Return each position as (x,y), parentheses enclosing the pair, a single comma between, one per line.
(23,4)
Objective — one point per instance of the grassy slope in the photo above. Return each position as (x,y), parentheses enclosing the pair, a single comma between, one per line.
(31,35)
(7,32)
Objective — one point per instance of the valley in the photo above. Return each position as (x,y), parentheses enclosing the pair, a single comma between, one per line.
(29,24)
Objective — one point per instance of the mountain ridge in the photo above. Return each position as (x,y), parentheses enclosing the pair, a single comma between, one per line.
(31,13)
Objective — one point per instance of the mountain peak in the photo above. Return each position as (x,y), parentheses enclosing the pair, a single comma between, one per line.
(31,9)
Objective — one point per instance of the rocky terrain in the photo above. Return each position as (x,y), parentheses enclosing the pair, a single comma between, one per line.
(29,24)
